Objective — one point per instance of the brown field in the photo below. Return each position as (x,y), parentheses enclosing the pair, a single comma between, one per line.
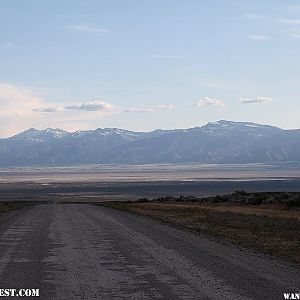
(259,227)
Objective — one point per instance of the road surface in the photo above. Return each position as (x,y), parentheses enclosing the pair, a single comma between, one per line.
(82,251)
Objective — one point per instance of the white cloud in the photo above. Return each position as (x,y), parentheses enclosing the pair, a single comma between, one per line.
(258,37)
(88,29)
(207,101)
(21,108)
(290,21)
(98,105)
(256,100)
(149,109)
(8,45)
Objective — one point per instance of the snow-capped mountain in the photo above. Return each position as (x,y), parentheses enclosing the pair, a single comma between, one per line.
(41,135)
(228,127)
(216,142)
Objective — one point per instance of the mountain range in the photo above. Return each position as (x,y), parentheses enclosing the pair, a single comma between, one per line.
(216,142)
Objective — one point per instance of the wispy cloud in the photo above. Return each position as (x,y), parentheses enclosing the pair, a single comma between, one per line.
(258,37)
(256,100)
(16,105)
(290,21)
(88,29)
(49,109)
(149,109)
(101,106)
(168,56)
(8,45)
(207,101)
(94,106)
(295,33)
(22,108)
(15,99)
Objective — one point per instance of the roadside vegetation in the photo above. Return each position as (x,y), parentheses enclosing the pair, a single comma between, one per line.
(6,206)
(267,222)
(277,199)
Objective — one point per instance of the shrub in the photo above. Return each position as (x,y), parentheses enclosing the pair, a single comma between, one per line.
(239,193)
(294,201)
(255,199)
(142,200)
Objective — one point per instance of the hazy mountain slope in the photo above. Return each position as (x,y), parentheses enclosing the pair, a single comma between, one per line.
(216,142)
(54,146)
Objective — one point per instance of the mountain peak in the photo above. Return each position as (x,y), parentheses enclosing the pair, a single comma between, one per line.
(56,132)
(225,124)
(37,134)
(234,123)
(27,133)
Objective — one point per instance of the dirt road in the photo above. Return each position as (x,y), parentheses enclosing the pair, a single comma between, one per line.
(82,251)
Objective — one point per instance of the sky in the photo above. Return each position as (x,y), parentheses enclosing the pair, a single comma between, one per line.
(148,64)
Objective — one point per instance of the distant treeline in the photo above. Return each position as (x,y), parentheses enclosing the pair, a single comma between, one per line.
(288,199)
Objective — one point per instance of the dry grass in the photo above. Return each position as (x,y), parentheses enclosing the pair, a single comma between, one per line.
(263,228)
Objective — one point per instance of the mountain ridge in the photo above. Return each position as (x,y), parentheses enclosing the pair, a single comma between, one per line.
(220,122)
(216,142)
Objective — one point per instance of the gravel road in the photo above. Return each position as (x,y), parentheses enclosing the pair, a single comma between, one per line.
(83,251)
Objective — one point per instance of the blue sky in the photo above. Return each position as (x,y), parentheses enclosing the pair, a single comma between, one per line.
(148,64)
